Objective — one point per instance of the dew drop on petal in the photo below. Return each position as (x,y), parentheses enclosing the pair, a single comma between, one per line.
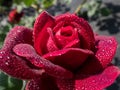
(6,63)
(83,88)
(8,57)
(1,57)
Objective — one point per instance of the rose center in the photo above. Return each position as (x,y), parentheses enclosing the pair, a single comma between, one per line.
(66,31)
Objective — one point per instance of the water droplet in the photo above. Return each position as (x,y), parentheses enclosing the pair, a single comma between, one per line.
(18,31)
(83,88)
(6,63)
(50,54)
(59,54)
(8,57)
(93,81)
(1,57)
(1,52)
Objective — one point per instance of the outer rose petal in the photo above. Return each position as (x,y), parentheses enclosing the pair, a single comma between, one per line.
(43,83)
(28,52)
(98,81)
(12,64)
(18,34)
(91,66)
(43,21)
(70,58)
(92,82)
(106,48)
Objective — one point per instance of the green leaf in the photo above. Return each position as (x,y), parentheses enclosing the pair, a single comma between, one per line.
(105,11)
(9,83)
(17,1)
(29,2)
(47,3)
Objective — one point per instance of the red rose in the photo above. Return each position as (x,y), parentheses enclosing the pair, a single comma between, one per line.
(62,54)
(14,16)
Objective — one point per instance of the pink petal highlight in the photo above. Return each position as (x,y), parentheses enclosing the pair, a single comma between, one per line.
(43,21)
(28,52)
(106,48)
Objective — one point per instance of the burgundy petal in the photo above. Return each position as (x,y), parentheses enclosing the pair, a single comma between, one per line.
(106,48)
(43,21)
(76,21)
(12,64)
(28,51)
(70,58)
(91,66)
(66,84)
(17,67)
(93,82)
(99,81)
(18,34)
(43,83)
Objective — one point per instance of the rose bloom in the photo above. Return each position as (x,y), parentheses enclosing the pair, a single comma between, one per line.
(60,53)
(14,16)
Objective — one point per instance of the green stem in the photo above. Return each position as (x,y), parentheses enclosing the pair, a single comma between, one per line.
(24,83)
(80,6)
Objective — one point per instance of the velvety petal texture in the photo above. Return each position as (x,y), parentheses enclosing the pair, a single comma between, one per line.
(59,53)
(54,70)
(13,64)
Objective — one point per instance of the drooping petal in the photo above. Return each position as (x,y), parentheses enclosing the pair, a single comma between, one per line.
(70,58)
(43,83)
(11,63)
(17,67)
(98,81)
(29,53)
(76,21)
(43,21)
(106,48)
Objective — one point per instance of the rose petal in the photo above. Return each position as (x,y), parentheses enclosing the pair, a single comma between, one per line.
(66,84)
(18,34)
(12,64)
(74,44)
(63,40)
(106,48)
(91,66)
(51,44)
(43,83)
(98,81)
(43,21)
(28,51)
(93,82)
(17,67)
(72,18)
(70,58)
